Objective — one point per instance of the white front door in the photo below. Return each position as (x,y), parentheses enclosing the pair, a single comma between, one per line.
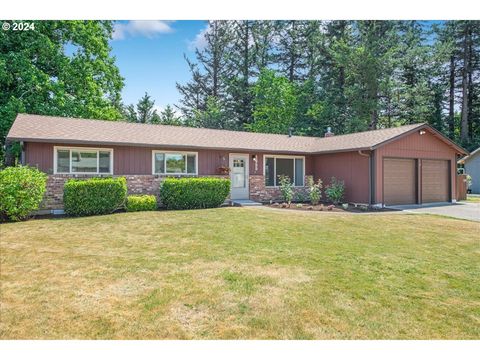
(239,177)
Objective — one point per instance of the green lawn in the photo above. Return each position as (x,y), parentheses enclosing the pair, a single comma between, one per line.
(241,273)
(473,198)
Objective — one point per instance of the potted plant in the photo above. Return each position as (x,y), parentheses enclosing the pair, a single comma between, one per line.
(223,170)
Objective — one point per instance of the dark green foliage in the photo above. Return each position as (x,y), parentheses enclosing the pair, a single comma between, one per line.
(94,196)
(347,75)
(335,191)
(38,76)
(275,104)
(194,193)
(210,73)
(143,113)
(168,117)
(21,192)
(141,203)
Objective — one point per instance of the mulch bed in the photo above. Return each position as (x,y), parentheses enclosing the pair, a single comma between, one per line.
(328,208)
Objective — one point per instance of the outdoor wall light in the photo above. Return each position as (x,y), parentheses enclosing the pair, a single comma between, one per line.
(254,158)
(422,132)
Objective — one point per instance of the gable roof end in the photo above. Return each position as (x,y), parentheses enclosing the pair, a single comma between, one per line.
(472,154)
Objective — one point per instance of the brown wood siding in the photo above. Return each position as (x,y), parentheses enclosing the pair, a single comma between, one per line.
(435,181)
(39,155)
(413,146)
(351,167)
(131,160)
(400,181)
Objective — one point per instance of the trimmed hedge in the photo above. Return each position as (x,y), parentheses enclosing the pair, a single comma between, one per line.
(194,193)
(21,192)
(141,203)
(94,196)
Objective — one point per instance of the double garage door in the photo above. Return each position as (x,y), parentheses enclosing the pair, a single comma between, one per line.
(407,180)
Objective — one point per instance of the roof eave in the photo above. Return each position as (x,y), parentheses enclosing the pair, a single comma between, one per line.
(341,150)
(158,146)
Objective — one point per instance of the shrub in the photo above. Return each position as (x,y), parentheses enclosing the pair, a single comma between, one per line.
(141,203)
(314,190)
(335,191)
(21,191)
(300,196)
(94,196)
(194,193)
(286,188)
(469,181)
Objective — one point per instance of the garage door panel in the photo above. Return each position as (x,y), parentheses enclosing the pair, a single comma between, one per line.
(435,181)
(399,181)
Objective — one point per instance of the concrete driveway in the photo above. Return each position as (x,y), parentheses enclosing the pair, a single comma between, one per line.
(460,210)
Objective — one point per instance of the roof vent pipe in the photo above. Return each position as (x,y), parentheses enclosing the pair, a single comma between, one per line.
(329,132)
(290,130)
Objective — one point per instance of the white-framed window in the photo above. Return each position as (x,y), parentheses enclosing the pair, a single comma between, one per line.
(174,163)
(291,166)
(72,160)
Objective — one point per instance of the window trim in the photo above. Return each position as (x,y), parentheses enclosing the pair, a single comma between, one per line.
(293,157)
(70,148)
(165,162)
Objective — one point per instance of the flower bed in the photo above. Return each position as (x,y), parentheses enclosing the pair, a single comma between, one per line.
(327,207)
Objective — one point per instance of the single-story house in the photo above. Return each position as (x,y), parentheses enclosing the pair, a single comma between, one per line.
(404,165)
(471,165)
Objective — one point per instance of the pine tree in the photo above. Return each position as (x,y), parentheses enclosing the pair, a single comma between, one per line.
(211,70)
(168,117)
(415,68)
(241,61)
(290,49)
(263,35)
(369,68)
(144,112)
(335,54)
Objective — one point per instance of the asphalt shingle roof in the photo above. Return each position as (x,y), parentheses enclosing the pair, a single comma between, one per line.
(82,131)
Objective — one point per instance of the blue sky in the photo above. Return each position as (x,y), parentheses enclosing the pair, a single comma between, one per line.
(150,54)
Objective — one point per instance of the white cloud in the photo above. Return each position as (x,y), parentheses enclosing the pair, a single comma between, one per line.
(200,42)
(149,29)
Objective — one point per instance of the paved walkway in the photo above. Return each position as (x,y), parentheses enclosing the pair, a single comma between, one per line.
(460,210)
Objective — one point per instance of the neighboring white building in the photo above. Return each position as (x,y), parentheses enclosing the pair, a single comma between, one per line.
(471,164)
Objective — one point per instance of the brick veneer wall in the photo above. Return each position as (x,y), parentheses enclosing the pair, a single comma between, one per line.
(259,192)
(136,184)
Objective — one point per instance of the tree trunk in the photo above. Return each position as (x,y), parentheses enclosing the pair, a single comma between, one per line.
(373,120)
(470,84)
(451,106)
(464,136)
(246,73)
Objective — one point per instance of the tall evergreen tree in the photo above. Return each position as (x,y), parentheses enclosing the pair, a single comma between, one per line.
(211,70)
(335,52)
(290,49)
(242,60)
(369,68)
(144,113)
(168,117)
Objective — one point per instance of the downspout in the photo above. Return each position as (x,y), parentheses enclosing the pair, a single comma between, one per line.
(22,154)
(369,175)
